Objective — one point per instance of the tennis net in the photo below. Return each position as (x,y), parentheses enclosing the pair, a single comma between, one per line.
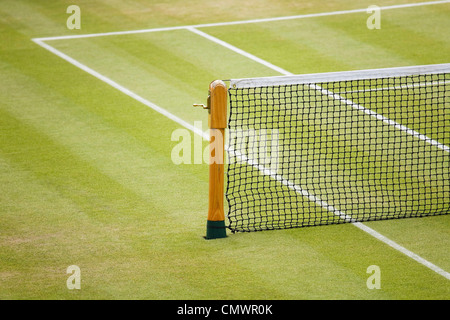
(338,147)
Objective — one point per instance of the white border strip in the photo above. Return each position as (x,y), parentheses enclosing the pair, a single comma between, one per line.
(218,24)
(405,86)
(340,76)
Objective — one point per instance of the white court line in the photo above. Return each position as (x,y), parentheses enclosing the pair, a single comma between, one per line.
(340,214)
(386,120)
(40,42)
(121,88)
(324,91)
(314,198)
(218,24)
(289,184)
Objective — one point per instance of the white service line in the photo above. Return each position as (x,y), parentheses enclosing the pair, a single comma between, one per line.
(316,199)
(219,24)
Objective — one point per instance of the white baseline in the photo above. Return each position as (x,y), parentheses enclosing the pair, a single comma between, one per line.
(218,24)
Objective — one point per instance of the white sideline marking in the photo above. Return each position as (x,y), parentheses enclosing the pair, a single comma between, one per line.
(121,88)
(40,42)
(239,51)
(290,184)
(340,214)
(316,199)
(403,250)
(218,24)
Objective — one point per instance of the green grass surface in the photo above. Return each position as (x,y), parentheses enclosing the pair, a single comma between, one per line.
(86,176)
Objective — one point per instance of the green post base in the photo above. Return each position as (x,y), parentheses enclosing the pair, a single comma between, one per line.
(215,230)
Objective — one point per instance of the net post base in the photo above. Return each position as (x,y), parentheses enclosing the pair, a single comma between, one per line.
(215,230)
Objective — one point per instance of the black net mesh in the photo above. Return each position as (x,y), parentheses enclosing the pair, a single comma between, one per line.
(326,153)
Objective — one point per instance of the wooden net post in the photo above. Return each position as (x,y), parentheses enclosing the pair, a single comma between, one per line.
(217,121)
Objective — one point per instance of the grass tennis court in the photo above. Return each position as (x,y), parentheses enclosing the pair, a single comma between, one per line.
(87,177)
